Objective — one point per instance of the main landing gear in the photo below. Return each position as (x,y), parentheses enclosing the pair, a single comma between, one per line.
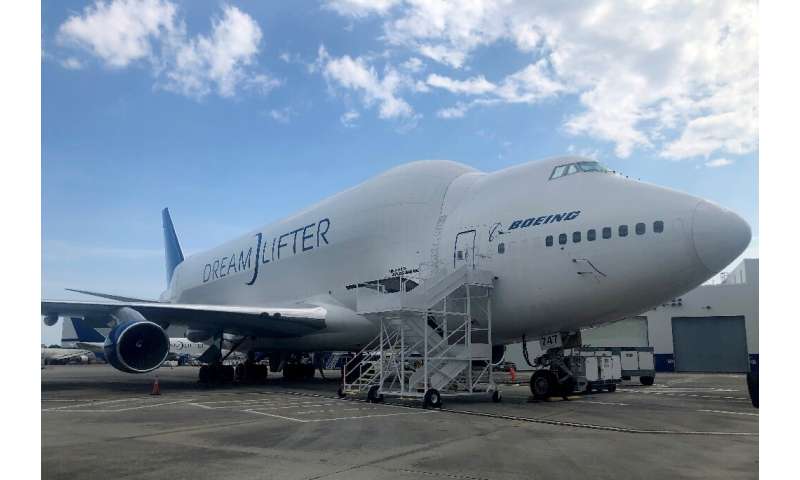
(250,372)
(217,373)
(299,366)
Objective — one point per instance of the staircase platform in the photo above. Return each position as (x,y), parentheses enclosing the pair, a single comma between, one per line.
(434,341)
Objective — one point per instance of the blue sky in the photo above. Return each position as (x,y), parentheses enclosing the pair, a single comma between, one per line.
(235,114)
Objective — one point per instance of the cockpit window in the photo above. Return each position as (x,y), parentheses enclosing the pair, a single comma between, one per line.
(570,168)
(592,167)
(559,171)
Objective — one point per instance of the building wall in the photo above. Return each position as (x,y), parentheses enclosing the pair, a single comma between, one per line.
(736,295)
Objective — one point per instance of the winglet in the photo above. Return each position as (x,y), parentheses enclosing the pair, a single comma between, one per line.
(172,248)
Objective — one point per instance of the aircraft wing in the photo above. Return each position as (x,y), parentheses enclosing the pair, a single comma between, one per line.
(242,320)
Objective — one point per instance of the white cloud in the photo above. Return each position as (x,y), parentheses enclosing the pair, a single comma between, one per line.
(472,86)
(122,32)
(349,117)
(361,8)
(457,111)
(217,60)
(529,85)
(283,115)
(356,75)
(72,63)
(413,65)
(719,162)
(678,78)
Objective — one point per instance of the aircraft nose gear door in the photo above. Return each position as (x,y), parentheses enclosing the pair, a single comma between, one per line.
(464,249)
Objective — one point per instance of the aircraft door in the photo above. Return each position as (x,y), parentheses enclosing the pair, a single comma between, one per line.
(464,249)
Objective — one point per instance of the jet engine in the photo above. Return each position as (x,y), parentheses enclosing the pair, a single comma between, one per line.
(50,320)
(135,345)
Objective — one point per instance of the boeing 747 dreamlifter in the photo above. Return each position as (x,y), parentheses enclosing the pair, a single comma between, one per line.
(568,244)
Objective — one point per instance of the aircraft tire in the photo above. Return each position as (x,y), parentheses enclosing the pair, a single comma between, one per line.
(228,374)
(541,385)
(204,375)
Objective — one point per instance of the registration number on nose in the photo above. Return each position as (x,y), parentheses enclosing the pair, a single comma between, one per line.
(550,341)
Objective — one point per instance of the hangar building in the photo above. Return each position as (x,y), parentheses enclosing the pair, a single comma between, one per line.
(713,328)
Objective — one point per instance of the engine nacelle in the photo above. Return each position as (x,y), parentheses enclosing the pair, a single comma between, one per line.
(135,345)
(50,320)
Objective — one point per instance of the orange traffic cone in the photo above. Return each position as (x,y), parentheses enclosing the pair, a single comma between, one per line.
(513,374)
(156,387)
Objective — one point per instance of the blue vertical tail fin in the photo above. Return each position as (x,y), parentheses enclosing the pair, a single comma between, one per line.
(75,330)
(172,248)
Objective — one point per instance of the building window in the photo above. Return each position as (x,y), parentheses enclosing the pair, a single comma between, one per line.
(501,248)
(606,232)
(658,226)
(562,239)
(623,230)
(576,237)
(549,241)
(640,229)
(591,235)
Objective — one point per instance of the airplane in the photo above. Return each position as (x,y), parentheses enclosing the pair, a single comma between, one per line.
(61,356)
(570,244)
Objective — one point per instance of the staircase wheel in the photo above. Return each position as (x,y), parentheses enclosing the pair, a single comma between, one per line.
(432,399)
(340,392)
(648,380)
(497,397)
(612,387)
(373,396)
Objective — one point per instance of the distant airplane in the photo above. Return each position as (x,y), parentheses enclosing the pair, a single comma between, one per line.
(52,356)
(569,243)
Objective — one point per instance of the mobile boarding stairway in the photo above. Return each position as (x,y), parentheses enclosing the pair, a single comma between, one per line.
(435,340)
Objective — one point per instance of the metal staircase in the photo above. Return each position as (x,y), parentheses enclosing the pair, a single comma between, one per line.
(433,341)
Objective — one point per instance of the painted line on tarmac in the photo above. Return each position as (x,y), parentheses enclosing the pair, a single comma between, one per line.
(550,422)
(273,415)
(730,413)
(688,395)
(116,410)
(370,416)
(590,426)
(92,404)
(604,403)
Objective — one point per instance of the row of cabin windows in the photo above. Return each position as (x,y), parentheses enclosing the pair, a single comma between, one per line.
(591,235)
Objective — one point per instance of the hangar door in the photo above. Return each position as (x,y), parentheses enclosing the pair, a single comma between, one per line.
(710,344)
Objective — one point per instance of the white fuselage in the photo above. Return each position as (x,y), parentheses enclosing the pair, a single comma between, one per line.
(431,217)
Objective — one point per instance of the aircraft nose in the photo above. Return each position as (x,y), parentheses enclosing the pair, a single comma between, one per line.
(719,235)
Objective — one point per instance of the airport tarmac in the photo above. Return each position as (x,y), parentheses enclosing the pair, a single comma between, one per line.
(98,421)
